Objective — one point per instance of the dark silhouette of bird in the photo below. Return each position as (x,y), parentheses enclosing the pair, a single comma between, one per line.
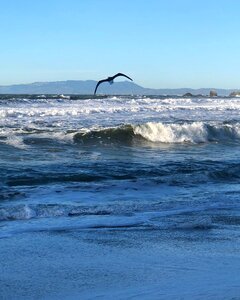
(110,80)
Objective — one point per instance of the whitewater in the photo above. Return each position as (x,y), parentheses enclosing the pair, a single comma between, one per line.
(145,187)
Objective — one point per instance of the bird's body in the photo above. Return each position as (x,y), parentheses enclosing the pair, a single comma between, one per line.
(110,80)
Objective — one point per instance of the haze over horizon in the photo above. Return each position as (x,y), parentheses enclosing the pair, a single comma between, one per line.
(159,44)
(117,81)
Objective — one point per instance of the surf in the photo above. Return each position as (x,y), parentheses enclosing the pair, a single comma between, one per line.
(159,132)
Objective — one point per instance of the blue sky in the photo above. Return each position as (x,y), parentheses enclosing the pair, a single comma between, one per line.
(160,44)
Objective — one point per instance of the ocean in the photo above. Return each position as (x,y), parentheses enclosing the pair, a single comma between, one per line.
(122,173)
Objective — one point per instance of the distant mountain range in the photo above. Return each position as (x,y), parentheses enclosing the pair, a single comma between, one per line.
(87,87)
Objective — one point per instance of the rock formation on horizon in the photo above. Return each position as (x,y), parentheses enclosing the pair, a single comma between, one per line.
(235,94)
(213,93)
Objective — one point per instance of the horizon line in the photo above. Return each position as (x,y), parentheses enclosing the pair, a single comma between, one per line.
(76,80)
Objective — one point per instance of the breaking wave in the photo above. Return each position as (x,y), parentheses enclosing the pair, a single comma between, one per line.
(157,132)
(129,135)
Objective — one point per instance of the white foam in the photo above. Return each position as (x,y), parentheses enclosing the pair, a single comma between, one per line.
(20,212)
(196,132)
(172,133)
(59,136)
(15,141)
(123,109)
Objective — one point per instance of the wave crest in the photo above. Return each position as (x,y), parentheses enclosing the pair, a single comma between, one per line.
(173,133)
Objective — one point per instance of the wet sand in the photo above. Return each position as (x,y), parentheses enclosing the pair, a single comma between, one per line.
(117,264)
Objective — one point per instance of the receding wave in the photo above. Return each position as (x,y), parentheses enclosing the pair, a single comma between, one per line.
(157,132)
(25,212)
(110,217)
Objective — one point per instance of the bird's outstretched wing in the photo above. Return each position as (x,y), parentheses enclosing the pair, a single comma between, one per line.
(121,74)
(109,79)
(99,82)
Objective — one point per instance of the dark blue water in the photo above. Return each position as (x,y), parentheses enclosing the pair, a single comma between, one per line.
(121,162)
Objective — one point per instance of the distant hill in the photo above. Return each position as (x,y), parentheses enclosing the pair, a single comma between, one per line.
(88,86)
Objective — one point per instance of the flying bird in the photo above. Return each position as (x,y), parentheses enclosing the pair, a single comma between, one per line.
(110,80)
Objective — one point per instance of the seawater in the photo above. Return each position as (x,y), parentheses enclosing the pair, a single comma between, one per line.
(119,163)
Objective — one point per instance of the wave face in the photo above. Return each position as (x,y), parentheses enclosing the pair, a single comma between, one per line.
(119,162)
(158,132)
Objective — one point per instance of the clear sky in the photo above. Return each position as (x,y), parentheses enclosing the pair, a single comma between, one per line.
(159,43)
